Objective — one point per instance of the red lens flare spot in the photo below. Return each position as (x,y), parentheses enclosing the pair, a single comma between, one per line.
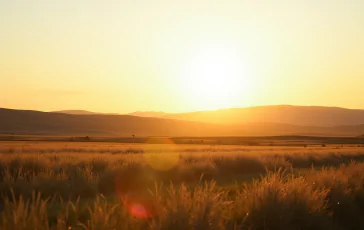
(139,211)
(140,205)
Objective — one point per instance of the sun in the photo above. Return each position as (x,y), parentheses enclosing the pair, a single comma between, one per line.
(215,76)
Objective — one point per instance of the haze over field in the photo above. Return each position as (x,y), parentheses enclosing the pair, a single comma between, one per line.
(285,114)
(294,115)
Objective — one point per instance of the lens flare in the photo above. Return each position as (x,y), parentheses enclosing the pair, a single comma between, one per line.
(133,186)
(133,182)
(140,205)
(161,154)
(138,211)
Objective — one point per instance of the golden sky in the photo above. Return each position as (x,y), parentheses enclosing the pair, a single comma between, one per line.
(175,56)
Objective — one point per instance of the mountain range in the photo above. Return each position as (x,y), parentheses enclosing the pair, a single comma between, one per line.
(252,121)
(283,114)
(286,114)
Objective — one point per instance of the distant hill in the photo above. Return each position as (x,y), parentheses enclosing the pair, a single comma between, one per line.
(81,112)
(148,114)
(43,123)
(75,112)
(138,114)
(282,114)
(35,122)
(294,115)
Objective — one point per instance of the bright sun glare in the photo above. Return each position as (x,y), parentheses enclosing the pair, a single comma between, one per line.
(215,76)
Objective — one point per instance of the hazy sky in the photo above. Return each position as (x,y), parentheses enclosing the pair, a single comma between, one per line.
(174,56)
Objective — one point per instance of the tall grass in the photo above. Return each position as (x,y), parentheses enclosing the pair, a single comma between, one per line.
(227,188)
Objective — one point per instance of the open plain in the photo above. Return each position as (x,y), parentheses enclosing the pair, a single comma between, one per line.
(162,185)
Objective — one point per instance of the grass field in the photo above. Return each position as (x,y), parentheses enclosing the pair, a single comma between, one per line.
(91,185)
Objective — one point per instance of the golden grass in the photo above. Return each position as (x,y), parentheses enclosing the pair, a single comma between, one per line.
(121,186)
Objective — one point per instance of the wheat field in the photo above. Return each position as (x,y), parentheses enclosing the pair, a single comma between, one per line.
(60,185)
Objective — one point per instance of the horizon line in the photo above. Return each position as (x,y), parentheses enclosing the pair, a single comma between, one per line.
(195,111)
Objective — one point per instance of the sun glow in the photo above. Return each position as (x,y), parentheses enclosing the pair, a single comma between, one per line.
(216,76)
